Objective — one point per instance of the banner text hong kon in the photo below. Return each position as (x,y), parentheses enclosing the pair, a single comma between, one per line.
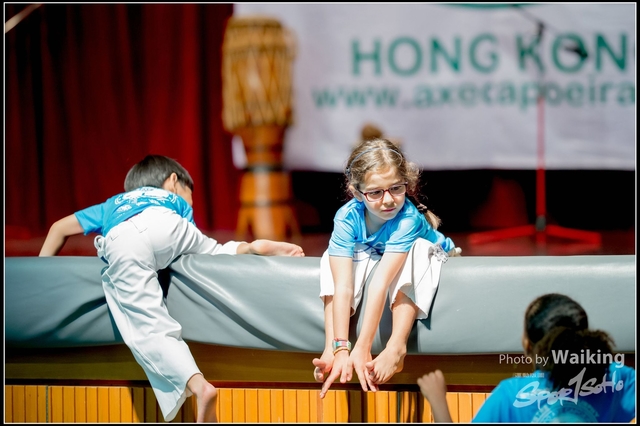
(407,56)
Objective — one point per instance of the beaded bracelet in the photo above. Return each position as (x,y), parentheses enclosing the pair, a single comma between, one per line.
(341,348)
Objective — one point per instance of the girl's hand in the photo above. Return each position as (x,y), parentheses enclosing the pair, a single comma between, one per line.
(455,252)
(359,360)
(323,365)
(342,367)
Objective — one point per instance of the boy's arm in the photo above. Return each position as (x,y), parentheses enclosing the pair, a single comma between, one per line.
(58,234)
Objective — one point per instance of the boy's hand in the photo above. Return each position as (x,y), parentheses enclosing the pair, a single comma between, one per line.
(275,248)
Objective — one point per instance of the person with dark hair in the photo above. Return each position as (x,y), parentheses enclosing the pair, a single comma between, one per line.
(153,170)
(142,231)
(379,227)
(577,377)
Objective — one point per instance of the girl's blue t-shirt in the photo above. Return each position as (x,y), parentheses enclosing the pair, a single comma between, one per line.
(101,218)
(396,235)
(529,400)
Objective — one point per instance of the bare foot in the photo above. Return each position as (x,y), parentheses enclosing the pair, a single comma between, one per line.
(276,248)
(206,398)
(207,405)
(384,366)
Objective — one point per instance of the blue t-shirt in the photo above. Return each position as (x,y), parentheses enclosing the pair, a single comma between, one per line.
(396,235)
(528,400)
(101,218)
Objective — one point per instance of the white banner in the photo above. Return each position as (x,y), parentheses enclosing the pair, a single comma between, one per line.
(457,84)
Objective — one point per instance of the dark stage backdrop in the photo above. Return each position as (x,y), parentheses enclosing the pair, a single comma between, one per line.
(91,89)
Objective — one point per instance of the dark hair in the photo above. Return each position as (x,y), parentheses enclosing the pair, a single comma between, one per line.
(154,170)
(378,154)
(558,327)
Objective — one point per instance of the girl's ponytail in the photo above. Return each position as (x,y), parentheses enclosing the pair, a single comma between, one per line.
(568,352)
(433,220)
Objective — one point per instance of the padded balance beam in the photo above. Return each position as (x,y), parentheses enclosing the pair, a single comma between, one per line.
(254,318)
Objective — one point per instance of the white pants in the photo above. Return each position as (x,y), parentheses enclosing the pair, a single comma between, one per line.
(418,278)
(135,250)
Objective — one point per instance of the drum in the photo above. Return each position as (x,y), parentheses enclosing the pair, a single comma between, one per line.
(257,58)
(257,97)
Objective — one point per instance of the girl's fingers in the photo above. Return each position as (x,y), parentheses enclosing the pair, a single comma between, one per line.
(345,376)
(363,380)
(371,379)
(327,384)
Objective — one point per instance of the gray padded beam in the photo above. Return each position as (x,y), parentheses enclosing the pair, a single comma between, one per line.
(272,302)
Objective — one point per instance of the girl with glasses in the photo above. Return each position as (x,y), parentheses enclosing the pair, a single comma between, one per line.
(380,226)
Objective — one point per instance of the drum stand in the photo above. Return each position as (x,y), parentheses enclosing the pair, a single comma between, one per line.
(265,188)
(541,229)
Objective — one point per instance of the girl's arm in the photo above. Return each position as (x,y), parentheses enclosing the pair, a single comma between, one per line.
(387,270)
(342,271)
(58,234)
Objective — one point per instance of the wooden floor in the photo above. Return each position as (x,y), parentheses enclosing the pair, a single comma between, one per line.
(613,243)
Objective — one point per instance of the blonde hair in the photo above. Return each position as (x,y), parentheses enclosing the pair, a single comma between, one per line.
(379,154)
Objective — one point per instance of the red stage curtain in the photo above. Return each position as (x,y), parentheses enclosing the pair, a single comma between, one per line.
(92,88)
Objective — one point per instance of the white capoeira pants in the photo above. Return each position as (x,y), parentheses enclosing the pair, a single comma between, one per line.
(418,278)
(135,250)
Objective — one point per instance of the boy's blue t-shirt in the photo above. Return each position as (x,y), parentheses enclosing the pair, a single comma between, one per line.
(396,235)
(101,218)
(528,400)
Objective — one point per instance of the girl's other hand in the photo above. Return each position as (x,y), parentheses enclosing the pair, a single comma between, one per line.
(359,360)
(342,368)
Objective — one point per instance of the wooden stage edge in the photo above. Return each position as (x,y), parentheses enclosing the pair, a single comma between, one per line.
(231,367)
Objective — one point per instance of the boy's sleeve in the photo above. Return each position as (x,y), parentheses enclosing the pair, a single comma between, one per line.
(91,218)
(230,247)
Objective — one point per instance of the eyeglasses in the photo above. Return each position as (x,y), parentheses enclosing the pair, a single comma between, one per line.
(378,194)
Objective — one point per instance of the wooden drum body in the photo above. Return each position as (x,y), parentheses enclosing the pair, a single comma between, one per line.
(257,97)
